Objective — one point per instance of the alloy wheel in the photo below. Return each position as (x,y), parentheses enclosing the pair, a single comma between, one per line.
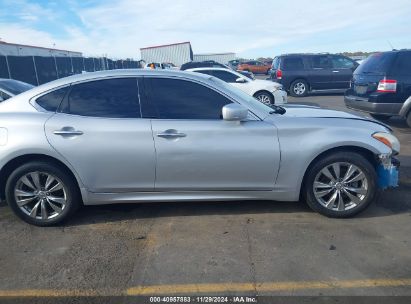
(264,99)
(340,186)
(299,88)
(40,195)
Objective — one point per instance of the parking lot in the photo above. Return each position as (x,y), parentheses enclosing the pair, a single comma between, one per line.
(252,248)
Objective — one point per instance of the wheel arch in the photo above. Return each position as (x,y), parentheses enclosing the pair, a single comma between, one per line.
(368,154)
(264,91)
(14,163)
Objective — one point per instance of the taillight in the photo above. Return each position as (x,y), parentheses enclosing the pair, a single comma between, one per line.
(387,85)
(279,74)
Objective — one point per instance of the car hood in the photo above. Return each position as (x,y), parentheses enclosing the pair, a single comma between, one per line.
(268,83)
(317,112)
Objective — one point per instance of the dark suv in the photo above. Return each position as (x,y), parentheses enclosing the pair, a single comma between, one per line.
(303,73)
(381,85)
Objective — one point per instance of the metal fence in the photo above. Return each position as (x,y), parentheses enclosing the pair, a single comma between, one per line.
(38,70)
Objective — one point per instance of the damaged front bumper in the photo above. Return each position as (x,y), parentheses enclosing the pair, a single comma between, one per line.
(387,171)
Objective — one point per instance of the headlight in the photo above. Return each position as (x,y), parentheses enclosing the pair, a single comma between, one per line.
(388,140)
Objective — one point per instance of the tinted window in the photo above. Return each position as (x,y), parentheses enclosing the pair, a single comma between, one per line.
(403,64)
(4,96)
(116,98)
(179,99)
(293,64)
(14,86)
(378,63)
(341,62)
(321,62)
(225,76)
(51,101)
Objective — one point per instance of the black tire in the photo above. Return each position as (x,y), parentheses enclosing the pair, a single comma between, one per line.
(70,193)
(344,157)
(380,117)
(265,97)
(299,88)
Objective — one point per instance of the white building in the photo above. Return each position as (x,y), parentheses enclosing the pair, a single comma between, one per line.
(176,53)
(223,58)
(12,49)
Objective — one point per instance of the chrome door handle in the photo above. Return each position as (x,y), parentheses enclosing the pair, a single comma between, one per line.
(336,71)
(171,134)
(68,132)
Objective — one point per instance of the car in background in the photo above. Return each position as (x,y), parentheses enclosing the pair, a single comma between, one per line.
(381,85)
(301,74)
(169,66)
(267,92)
(234,63)
(160,66)
(11,87)
(202,64)
(254,66)
(123,136)
(153,66)
(212,64)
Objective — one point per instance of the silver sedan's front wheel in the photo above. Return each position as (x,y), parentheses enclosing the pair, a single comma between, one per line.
(341,184)
(42,193)
(265,97)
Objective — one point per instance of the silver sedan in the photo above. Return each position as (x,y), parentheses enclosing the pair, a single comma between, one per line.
(141,136)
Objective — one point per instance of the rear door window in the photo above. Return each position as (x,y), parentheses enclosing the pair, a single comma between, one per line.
(321,62)
(293,64)
(114,98)
(402,64)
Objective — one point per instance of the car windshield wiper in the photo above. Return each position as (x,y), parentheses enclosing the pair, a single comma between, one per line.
(277,110)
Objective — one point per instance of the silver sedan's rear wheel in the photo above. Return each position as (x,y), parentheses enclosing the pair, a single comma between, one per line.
(341,184)
(42,194)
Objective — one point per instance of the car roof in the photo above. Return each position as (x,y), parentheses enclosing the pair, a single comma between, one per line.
(209,68)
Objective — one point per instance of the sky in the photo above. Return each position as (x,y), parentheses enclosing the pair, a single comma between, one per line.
(250,28)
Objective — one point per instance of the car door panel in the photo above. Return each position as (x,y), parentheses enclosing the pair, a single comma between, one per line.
(112,155)
(100,132)
(207,152)
(216,155)
(320,73)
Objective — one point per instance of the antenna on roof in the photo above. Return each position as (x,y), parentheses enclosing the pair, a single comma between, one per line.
(389,43)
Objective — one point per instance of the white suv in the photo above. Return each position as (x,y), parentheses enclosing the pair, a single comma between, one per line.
(267,92)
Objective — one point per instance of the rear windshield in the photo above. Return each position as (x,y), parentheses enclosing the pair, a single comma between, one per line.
(14,86)
(378,63)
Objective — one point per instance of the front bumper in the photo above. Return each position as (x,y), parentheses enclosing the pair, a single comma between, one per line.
(280,97)
(388,172)
(365,105)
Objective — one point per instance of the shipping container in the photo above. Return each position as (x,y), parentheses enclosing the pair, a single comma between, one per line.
(223,58)
(177,53)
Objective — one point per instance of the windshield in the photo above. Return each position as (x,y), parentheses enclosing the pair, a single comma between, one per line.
(378,63)
(14,86)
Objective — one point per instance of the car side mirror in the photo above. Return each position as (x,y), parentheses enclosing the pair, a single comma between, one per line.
(1,98)
(234,112)
(240,80)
